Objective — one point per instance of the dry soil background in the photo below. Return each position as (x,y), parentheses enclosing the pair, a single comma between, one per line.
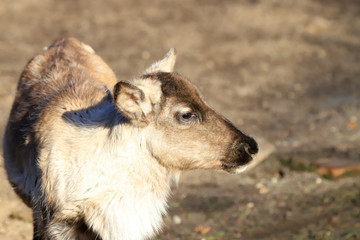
(286,71)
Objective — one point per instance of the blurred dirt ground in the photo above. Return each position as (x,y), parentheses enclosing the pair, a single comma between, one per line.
(286,71)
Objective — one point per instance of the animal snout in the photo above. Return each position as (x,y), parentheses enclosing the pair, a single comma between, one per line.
(245,147)
(245,154)
(241,152)
(250,146)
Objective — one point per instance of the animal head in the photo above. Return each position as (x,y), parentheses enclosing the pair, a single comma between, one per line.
(182,130)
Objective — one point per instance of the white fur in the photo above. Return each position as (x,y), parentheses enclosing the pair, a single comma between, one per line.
(93,166)
(241,169)
(164,65)
(129,201)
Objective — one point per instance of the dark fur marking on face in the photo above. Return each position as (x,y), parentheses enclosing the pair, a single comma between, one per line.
(174,86)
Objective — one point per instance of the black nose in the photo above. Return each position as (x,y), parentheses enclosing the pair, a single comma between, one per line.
(241,152)
(246,147)
(251,146)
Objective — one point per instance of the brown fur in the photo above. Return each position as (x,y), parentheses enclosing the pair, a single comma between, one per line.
(36,110)
(74,131)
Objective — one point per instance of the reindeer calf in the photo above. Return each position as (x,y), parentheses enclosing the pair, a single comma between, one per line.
(94,158)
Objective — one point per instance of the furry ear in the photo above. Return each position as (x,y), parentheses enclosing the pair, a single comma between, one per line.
(129,99)
(164,65)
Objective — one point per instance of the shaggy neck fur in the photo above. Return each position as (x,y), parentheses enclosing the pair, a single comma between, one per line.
(131,186)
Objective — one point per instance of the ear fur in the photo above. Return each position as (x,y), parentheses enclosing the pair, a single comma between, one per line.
(164,65)
(128,99)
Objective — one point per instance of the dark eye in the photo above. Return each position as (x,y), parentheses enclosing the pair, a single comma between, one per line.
(188,115)
(188,118)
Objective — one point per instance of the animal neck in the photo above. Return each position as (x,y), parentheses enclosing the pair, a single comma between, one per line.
(142,171)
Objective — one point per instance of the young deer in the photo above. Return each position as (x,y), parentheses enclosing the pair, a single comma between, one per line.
(94,158)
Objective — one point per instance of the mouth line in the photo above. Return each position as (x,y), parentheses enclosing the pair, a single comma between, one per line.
(229,165)
(233,166)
